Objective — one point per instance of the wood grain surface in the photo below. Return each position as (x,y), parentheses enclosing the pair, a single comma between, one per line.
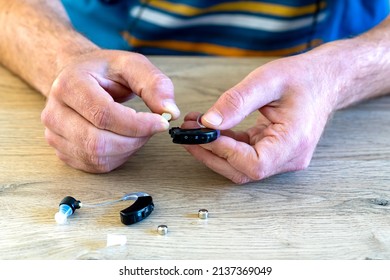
(339,208)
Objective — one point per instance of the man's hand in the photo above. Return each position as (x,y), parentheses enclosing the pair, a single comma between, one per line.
(84,119)
(293,97)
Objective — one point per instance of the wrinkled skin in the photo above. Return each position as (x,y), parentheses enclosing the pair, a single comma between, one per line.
(293,107)
(85,122)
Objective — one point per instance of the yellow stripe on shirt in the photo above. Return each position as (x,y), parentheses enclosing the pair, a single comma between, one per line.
(212,49)
(244,6)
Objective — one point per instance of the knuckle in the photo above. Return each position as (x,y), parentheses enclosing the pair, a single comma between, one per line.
(234,99)
(131,58)
(305,149)
(257,174)
(103,166)
(240,179)
(46,117)
(62,157)
(99,164)
(100,116)
(160,83)
(90,160)
(138,143)
(303,163)
(60,85)
(49,138)
(96,146)
(137,57)
(48,114)
(257,167)
(257,171)
(137,131)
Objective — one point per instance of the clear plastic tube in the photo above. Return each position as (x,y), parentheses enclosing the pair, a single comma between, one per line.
(129,196)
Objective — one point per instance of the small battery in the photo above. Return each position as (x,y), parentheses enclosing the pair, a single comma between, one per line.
(162,229)
(203,214)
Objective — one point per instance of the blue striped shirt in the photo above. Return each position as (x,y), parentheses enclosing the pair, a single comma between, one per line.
(222,27)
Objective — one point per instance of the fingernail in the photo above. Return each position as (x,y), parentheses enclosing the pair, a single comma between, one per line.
(171,108)
(213,118)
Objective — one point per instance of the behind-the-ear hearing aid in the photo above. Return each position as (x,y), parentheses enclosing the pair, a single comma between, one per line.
(136,212)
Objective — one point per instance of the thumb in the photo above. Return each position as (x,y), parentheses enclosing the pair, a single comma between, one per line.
(237,103)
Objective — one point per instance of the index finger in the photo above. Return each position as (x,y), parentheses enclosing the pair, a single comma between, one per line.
(147,81)
(264,159)
(85,96)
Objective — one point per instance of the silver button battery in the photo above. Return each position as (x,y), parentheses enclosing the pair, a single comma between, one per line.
(162,229)
(203,214)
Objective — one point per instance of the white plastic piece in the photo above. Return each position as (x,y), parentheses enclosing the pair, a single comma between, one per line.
(63,213)
(116,239)
(167,116)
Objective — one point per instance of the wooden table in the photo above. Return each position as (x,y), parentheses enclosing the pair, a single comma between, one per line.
(336,209)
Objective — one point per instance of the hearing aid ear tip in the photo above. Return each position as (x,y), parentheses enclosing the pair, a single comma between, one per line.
(66,209)
(60,218)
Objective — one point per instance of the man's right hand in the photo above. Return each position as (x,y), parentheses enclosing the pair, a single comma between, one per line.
(84,119)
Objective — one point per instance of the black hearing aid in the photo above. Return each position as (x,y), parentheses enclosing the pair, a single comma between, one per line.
(136,212)
(193,136)
(201,135)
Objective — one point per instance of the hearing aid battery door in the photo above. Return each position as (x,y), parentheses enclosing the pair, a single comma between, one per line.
(138,211)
